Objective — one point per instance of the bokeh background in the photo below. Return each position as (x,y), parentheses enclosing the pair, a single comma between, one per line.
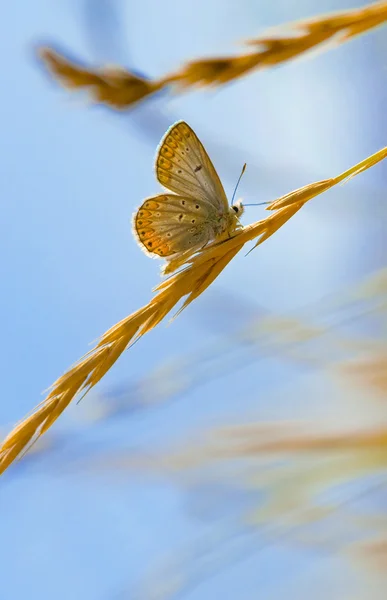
(175,477)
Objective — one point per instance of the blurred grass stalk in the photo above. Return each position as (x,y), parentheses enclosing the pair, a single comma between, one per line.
(318,488)
(119,88)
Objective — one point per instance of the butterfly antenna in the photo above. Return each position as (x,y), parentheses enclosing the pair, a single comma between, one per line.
(240,177)
(259,204)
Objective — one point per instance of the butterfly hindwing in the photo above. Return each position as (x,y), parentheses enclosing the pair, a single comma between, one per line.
(168,224)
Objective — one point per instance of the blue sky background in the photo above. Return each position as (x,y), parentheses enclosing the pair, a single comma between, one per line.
(71,176)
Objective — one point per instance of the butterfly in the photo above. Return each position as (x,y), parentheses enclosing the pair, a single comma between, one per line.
(195,210)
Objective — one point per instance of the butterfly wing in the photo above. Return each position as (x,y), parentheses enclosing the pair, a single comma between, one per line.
(184,167)
(169,224)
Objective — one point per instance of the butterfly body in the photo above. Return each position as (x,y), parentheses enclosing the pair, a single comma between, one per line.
(195,211)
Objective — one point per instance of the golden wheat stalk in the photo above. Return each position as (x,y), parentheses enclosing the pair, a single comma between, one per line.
(118,88)
(196,274)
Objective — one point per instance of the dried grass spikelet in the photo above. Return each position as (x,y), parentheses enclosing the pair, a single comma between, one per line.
(113,86)
(194,276)
(276,49)
(119,88)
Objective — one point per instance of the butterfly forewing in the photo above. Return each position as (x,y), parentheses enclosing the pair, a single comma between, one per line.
(184,167)
(168,224)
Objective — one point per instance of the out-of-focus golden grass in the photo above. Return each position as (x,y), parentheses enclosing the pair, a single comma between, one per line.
(120,89)
(111,85)
(293,464)
(293,469)
(373,553)
(190,281)
(362,451)
(370,371)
